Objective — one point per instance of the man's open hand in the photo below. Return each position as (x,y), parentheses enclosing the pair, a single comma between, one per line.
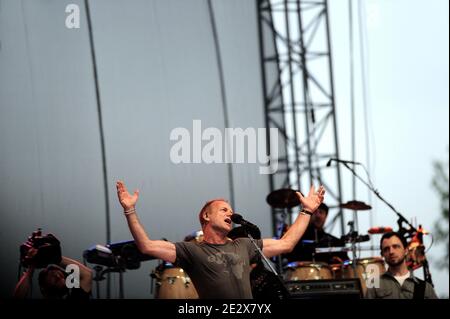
(127,200)
(313,200)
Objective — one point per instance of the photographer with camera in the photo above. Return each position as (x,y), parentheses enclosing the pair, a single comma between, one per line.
(45,252)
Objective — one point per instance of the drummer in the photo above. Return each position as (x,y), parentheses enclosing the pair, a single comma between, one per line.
(315,236)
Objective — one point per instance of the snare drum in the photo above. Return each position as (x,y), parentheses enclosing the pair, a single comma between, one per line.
(304,270)
(173,283)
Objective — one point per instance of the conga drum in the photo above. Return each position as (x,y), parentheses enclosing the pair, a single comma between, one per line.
(173,283)
(368,270)
(305,270)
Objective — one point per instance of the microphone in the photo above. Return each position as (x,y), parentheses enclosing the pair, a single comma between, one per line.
(238,219)
(329,162)
(341,161)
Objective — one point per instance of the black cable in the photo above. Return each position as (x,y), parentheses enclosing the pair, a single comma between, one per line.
(364,77)
(101,131)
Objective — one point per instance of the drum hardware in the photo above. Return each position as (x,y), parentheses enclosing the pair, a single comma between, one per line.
(155,275)
(355,238)
(282,200)
(352,237)
(116,257)
(410,231)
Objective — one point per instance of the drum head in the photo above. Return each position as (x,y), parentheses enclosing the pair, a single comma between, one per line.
(174,283)
(305,270)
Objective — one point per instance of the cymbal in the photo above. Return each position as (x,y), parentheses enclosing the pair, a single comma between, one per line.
(283,198)
(356,205)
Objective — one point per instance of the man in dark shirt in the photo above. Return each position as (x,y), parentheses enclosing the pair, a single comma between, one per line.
(218,266)
(315,236)
(52,280)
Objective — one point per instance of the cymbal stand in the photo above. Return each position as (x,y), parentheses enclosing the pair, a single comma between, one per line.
(353,236)
(97,278)
(401,218)
(282,222)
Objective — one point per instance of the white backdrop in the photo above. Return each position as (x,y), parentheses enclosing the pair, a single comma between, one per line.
(157,70)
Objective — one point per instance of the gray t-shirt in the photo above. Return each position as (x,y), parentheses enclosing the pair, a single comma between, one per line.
(219,271)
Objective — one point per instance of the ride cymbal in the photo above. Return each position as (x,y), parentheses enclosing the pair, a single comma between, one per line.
(283,198)
(356,205)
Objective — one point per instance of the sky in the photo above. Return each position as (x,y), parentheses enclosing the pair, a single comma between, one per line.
(406,54)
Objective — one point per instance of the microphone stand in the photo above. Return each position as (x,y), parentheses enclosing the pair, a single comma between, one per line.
(268,263)
(98,276)
(401,218)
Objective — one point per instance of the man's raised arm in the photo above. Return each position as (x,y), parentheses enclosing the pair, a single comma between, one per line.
(157,248)
(274,247)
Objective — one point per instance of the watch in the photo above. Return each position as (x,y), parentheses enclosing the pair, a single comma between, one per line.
(305,212)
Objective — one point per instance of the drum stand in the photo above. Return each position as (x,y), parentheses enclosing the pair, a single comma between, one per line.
(282,221)
(99,276)
(353,235)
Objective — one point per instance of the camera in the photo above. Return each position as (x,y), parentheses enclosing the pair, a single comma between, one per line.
(48,250)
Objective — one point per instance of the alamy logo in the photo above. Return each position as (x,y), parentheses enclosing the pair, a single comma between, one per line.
(235,146)
(73,277)
(372,276)
(73,19)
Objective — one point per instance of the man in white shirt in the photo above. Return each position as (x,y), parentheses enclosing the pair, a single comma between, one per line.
(398,282)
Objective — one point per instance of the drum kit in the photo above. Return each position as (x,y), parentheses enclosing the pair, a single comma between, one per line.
(365,269)
(312,270)
(173,283)
(302,271)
